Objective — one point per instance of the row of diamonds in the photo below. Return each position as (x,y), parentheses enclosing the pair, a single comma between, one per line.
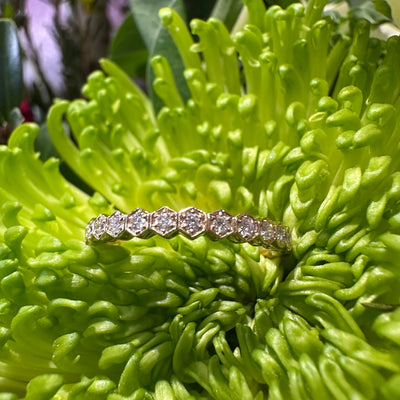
(192,222)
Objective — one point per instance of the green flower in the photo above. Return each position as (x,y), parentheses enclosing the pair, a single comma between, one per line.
(287,119)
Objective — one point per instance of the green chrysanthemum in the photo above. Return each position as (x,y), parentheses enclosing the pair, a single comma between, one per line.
(305,130)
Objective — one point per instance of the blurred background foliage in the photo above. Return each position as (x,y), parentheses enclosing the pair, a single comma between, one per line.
(61,42)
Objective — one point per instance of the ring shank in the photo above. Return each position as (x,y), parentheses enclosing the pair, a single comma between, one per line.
(192,223)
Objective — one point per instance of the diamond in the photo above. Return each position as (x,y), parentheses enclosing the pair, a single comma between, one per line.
(116,223)
(164,221)
(247,227)
(89,229)
(192,221)
(137,222)
(99,226)
(282,236)
(267,230)
(220,223)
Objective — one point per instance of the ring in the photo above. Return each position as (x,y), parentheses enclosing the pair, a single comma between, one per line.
(192,223)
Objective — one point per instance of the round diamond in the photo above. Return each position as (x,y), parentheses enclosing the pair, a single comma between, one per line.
(192,221)
(267,231)
(89,230)
(247,227)
(221,223)
(282,236)
(164,221)
(99,226)
(116,224)
(137,222)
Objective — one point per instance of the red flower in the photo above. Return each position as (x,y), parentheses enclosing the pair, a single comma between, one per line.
(26,111)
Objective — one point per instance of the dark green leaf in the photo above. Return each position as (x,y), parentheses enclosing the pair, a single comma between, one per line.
(7,10)
(199,9)
(383,7)
(357,3)
(145,14)
(374,11)
(128,49)
(334,15)
(15,117)
(280,3)
(227,11)
(10,69)
(158,41)
(44,145)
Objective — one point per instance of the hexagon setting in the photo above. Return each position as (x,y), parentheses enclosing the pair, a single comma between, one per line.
(164,221)
(99,226)
(267,231)
(116,224)
(192,221)
(220,223)
(137,222)
(247,227)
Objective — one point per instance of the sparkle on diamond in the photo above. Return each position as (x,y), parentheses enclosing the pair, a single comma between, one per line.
(220,223)
(99,226)
(116,224)
(89,229)
(164,221)
(281,235)
(191,221)
(267,231)
(137,222)
(247,227)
